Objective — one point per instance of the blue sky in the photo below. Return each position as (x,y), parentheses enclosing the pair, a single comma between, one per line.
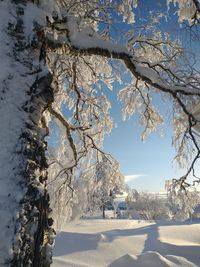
(150,162)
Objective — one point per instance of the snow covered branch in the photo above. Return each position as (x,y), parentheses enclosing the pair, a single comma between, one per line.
(65,124)
(183,88)
(81,43)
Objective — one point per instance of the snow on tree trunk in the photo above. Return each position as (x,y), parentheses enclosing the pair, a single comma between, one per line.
(25,93)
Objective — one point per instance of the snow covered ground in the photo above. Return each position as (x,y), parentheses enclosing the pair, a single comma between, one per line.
(127,243)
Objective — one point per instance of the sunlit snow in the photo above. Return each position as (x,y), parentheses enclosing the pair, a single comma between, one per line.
(126,243)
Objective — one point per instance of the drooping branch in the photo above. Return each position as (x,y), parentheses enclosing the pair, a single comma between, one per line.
(82,44)
(78,43)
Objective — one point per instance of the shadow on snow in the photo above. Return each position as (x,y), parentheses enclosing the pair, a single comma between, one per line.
(80,242)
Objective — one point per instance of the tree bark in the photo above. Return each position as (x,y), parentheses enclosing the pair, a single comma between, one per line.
(25,94)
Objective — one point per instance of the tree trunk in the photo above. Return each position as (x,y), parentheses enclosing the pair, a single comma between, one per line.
(25,93)
(103,210)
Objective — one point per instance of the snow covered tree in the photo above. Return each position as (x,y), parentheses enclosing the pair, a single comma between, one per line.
(108,180)
(57,58)
(101,184)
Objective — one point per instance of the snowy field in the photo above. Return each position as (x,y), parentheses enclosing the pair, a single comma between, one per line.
(127,243)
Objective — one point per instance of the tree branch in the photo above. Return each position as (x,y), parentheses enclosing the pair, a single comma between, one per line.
(66,125)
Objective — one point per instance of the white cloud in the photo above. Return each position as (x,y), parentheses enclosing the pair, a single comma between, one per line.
(130,178)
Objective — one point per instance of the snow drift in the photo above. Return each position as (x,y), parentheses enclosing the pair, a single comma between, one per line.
(125,243)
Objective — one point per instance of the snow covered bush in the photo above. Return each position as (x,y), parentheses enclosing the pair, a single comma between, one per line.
(182,203)
(147,206)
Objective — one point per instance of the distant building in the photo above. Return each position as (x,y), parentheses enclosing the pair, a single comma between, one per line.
(121,209)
